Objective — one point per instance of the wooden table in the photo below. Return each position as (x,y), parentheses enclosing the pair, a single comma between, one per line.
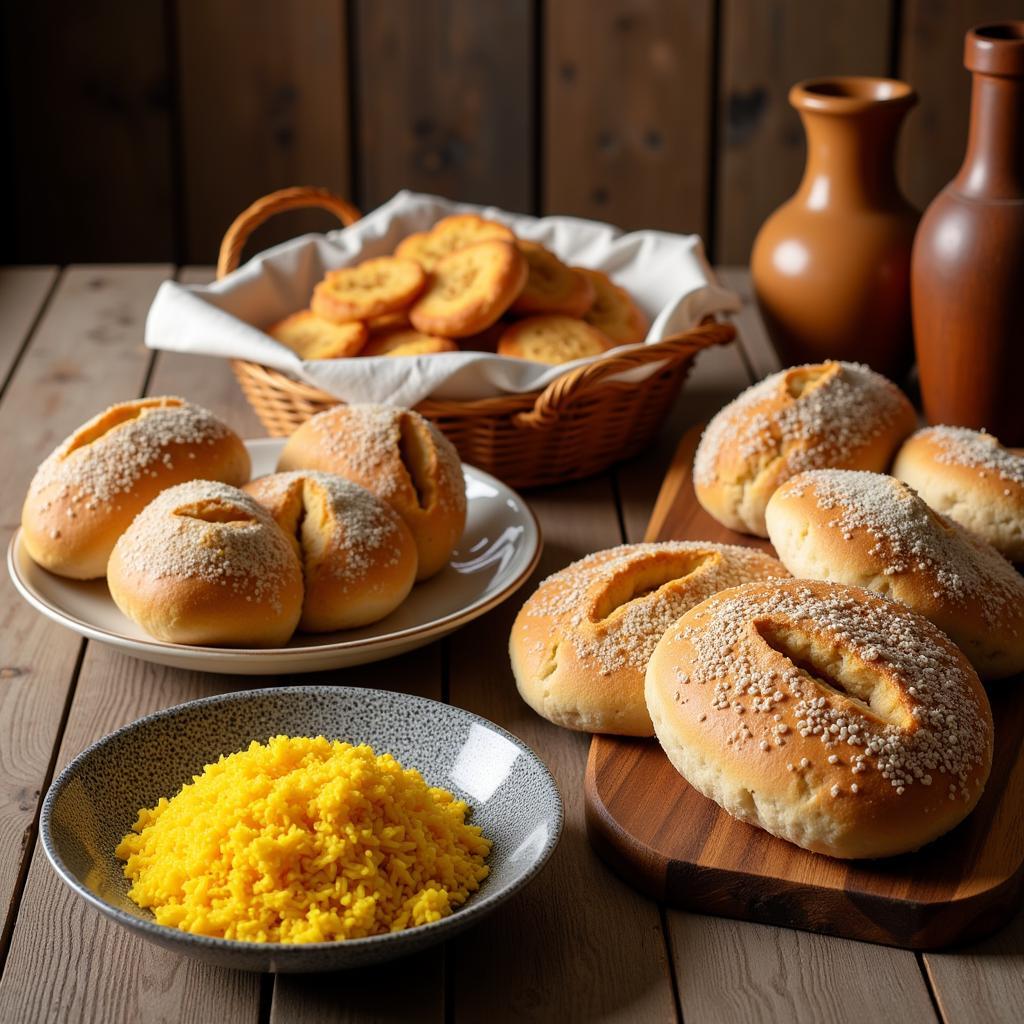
(577,945)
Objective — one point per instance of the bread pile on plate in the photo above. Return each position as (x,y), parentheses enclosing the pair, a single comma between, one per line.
(832,696)
(467,283)
(156,495)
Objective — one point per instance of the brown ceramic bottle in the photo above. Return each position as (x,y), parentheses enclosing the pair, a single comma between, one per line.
(831,267)
(968,267)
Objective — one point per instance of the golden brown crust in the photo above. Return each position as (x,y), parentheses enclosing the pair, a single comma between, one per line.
(970,477)
(407,341)
(551,286)
(449,235)
(312,337)
(470,289)
(205,564)
(86,493)
(827,715)
(552,339)
(374,288)
(358,557)
(873,531)
(580,644)
(399,456)
(818,416)
(613,310)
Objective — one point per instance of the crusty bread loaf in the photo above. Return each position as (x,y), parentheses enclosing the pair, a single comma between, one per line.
(970,477)
(580,644)
(827,715)
(399,456)
(204,563)
(871,530)
(817,416)
(96,481)
(358,556)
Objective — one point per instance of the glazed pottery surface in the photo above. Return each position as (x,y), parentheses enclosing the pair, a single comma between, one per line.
(831,267)
(968,268)
(95,800)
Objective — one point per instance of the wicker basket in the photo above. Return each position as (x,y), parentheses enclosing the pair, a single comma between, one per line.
(578,425)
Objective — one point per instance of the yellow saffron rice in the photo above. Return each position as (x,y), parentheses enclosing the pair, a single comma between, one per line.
(304,840)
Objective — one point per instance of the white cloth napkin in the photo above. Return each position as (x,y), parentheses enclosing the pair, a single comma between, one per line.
(666,274)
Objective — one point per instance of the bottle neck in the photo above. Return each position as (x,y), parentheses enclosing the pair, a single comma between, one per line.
(850,159)
(993,166)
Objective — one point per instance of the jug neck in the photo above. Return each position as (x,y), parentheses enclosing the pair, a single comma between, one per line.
(851,126)
(993,166)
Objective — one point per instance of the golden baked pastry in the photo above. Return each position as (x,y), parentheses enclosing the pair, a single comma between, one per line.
(399,456)
(580,644)
(817,416)
(829,716)
(407,341)
(552,339)
(874,531)
(312,337)
(551,286)
(204,563)
(449,235)
(388,321)
(371,289)
(970,477)
(88,490)
(358,557)
(470,289)
(613,311)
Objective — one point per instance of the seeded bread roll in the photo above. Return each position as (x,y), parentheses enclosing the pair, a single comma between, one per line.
(874,531)
(204,563)
(358,556)
(970,477)
(817,416)
(399,456)
(86,493)
(824,714)
(580,644)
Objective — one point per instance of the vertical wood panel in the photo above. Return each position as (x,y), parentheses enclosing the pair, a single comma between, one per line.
(89,130)
(445,100)
(626,120)
(766,47)
(264,105)
(931,59)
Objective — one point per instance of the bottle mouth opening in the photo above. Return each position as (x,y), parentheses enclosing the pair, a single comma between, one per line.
(1006,31)
(848,93)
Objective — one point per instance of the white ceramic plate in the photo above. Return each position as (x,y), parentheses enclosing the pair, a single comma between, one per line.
(499,549)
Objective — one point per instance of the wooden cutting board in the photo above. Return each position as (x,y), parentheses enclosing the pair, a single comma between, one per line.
(677,846)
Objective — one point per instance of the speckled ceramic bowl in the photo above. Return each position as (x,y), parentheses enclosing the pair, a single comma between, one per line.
(95,800)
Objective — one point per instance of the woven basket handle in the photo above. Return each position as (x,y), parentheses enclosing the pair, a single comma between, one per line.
(263,209)
(574,386)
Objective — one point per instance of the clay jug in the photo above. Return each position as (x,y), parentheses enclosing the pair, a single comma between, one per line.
(968,268)
(831,267)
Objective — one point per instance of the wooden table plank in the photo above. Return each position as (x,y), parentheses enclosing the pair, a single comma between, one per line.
(754,342)
(983,982)
(577,944)
(734,970)
(23,294)
(85,353)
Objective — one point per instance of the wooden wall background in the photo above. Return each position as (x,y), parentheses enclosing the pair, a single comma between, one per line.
(139,128)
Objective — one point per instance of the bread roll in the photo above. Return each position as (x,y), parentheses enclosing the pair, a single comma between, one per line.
(400,457)
(874,531)
(204,563)
(824,714)
(358,556)
(817,416)
(580,644)
(970,477)
(89,489)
